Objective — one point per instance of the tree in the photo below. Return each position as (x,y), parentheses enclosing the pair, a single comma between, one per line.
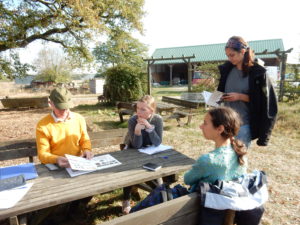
(122,84)
(11,67)
(121,48)
(53,65)
(212,72)
(70,23)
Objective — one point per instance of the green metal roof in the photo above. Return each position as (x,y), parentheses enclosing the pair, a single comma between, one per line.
(214,52)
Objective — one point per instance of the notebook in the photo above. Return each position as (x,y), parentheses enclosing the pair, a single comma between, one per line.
(152,166)
(28,170)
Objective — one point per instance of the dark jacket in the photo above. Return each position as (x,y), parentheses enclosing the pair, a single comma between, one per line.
(262,101)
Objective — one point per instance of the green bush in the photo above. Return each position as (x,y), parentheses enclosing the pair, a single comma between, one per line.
(122,83)
(291,91)
(207,85)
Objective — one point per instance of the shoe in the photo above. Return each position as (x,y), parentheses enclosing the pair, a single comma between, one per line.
(126,207)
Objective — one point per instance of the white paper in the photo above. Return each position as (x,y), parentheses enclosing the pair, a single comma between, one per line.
(212,98)
(154,149)
(80,163)
(206,95)
(79,167)
(9,198)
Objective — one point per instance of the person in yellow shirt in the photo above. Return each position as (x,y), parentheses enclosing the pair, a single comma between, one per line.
(62,131)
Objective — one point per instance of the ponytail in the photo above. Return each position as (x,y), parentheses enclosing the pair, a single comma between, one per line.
(240,149)
(248,61)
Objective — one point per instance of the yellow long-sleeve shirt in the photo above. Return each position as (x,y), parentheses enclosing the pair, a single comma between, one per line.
(56,139)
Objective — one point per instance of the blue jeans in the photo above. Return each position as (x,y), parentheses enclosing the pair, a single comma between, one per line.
(244,135)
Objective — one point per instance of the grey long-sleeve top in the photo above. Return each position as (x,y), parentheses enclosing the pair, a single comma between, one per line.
(153,137)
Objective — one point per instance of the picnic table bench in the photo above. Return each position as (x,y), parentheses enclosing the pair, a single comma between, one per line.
(125,108)
(188,101)
(183,210)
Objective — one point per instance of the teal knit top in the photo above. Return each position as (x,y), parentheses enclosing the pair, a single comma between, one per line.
(219,164)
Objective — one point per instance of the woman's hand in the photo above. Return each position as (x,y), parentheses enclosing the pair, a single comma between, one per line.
(233,96)
(138,129)
(141,125)
(144,122)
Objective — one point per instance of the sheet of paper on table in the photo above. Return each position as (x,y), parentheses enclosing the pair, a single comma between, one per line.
(155,149)
(9,198)
(81,165)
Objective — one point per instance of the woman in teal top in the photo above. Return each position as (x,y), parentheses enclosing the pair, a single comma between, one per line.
(226,161)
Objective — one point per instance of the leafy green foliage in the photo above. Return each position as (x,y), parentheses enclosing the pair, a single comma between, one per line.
(207,84)
(291,86)
(9,69)
(53,65)
(121,48)
(210,68)
(122,84)
(204,86)
(71,23)
(291,91)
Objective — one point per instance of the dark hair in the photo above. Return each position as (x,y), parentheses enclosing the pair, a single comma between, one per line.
(237,43)
(231,121)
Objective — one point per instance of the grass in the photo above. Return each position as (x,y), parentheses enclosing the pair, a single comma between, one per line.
(168,91)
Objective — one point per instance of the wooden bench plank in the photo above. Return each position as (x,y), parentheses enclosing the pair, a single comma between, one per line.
(183,210)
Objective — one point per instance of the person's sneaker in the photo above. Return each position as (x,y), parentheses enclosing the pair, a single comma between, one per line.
(126,207)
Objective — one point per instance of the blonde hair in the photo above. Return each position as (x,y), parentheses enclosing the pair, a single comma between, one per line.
(150,101)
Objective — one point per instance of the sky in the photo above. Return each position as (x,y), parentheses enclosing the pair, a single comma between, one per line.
(174,23)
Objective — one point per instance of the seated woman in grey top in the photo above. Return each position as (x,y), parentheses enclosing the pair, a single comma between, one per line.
(144,129)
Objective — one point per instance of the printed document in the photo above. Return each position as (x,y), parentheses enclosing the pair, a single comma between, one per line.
(155,149)
(81,165)
(212,99)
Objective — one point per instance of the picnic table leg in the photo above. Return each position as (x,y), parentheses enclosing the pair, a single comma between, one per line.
(23,220)
(178,121)
(13,220)
(163,193)
(121,117)
(189,120)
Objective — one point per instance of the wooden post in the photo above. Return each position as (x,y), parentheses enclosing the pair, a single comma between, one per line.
(149,78)
(283,59)
(171,74)
(189,76)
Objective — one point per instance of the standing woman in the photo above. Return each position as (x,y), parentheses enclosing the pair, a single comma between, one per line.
(248,91)
(144,129)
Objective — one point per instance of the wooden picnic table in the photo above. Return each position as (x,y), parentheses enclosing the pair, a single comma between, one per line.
(165,107)
(56,187)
